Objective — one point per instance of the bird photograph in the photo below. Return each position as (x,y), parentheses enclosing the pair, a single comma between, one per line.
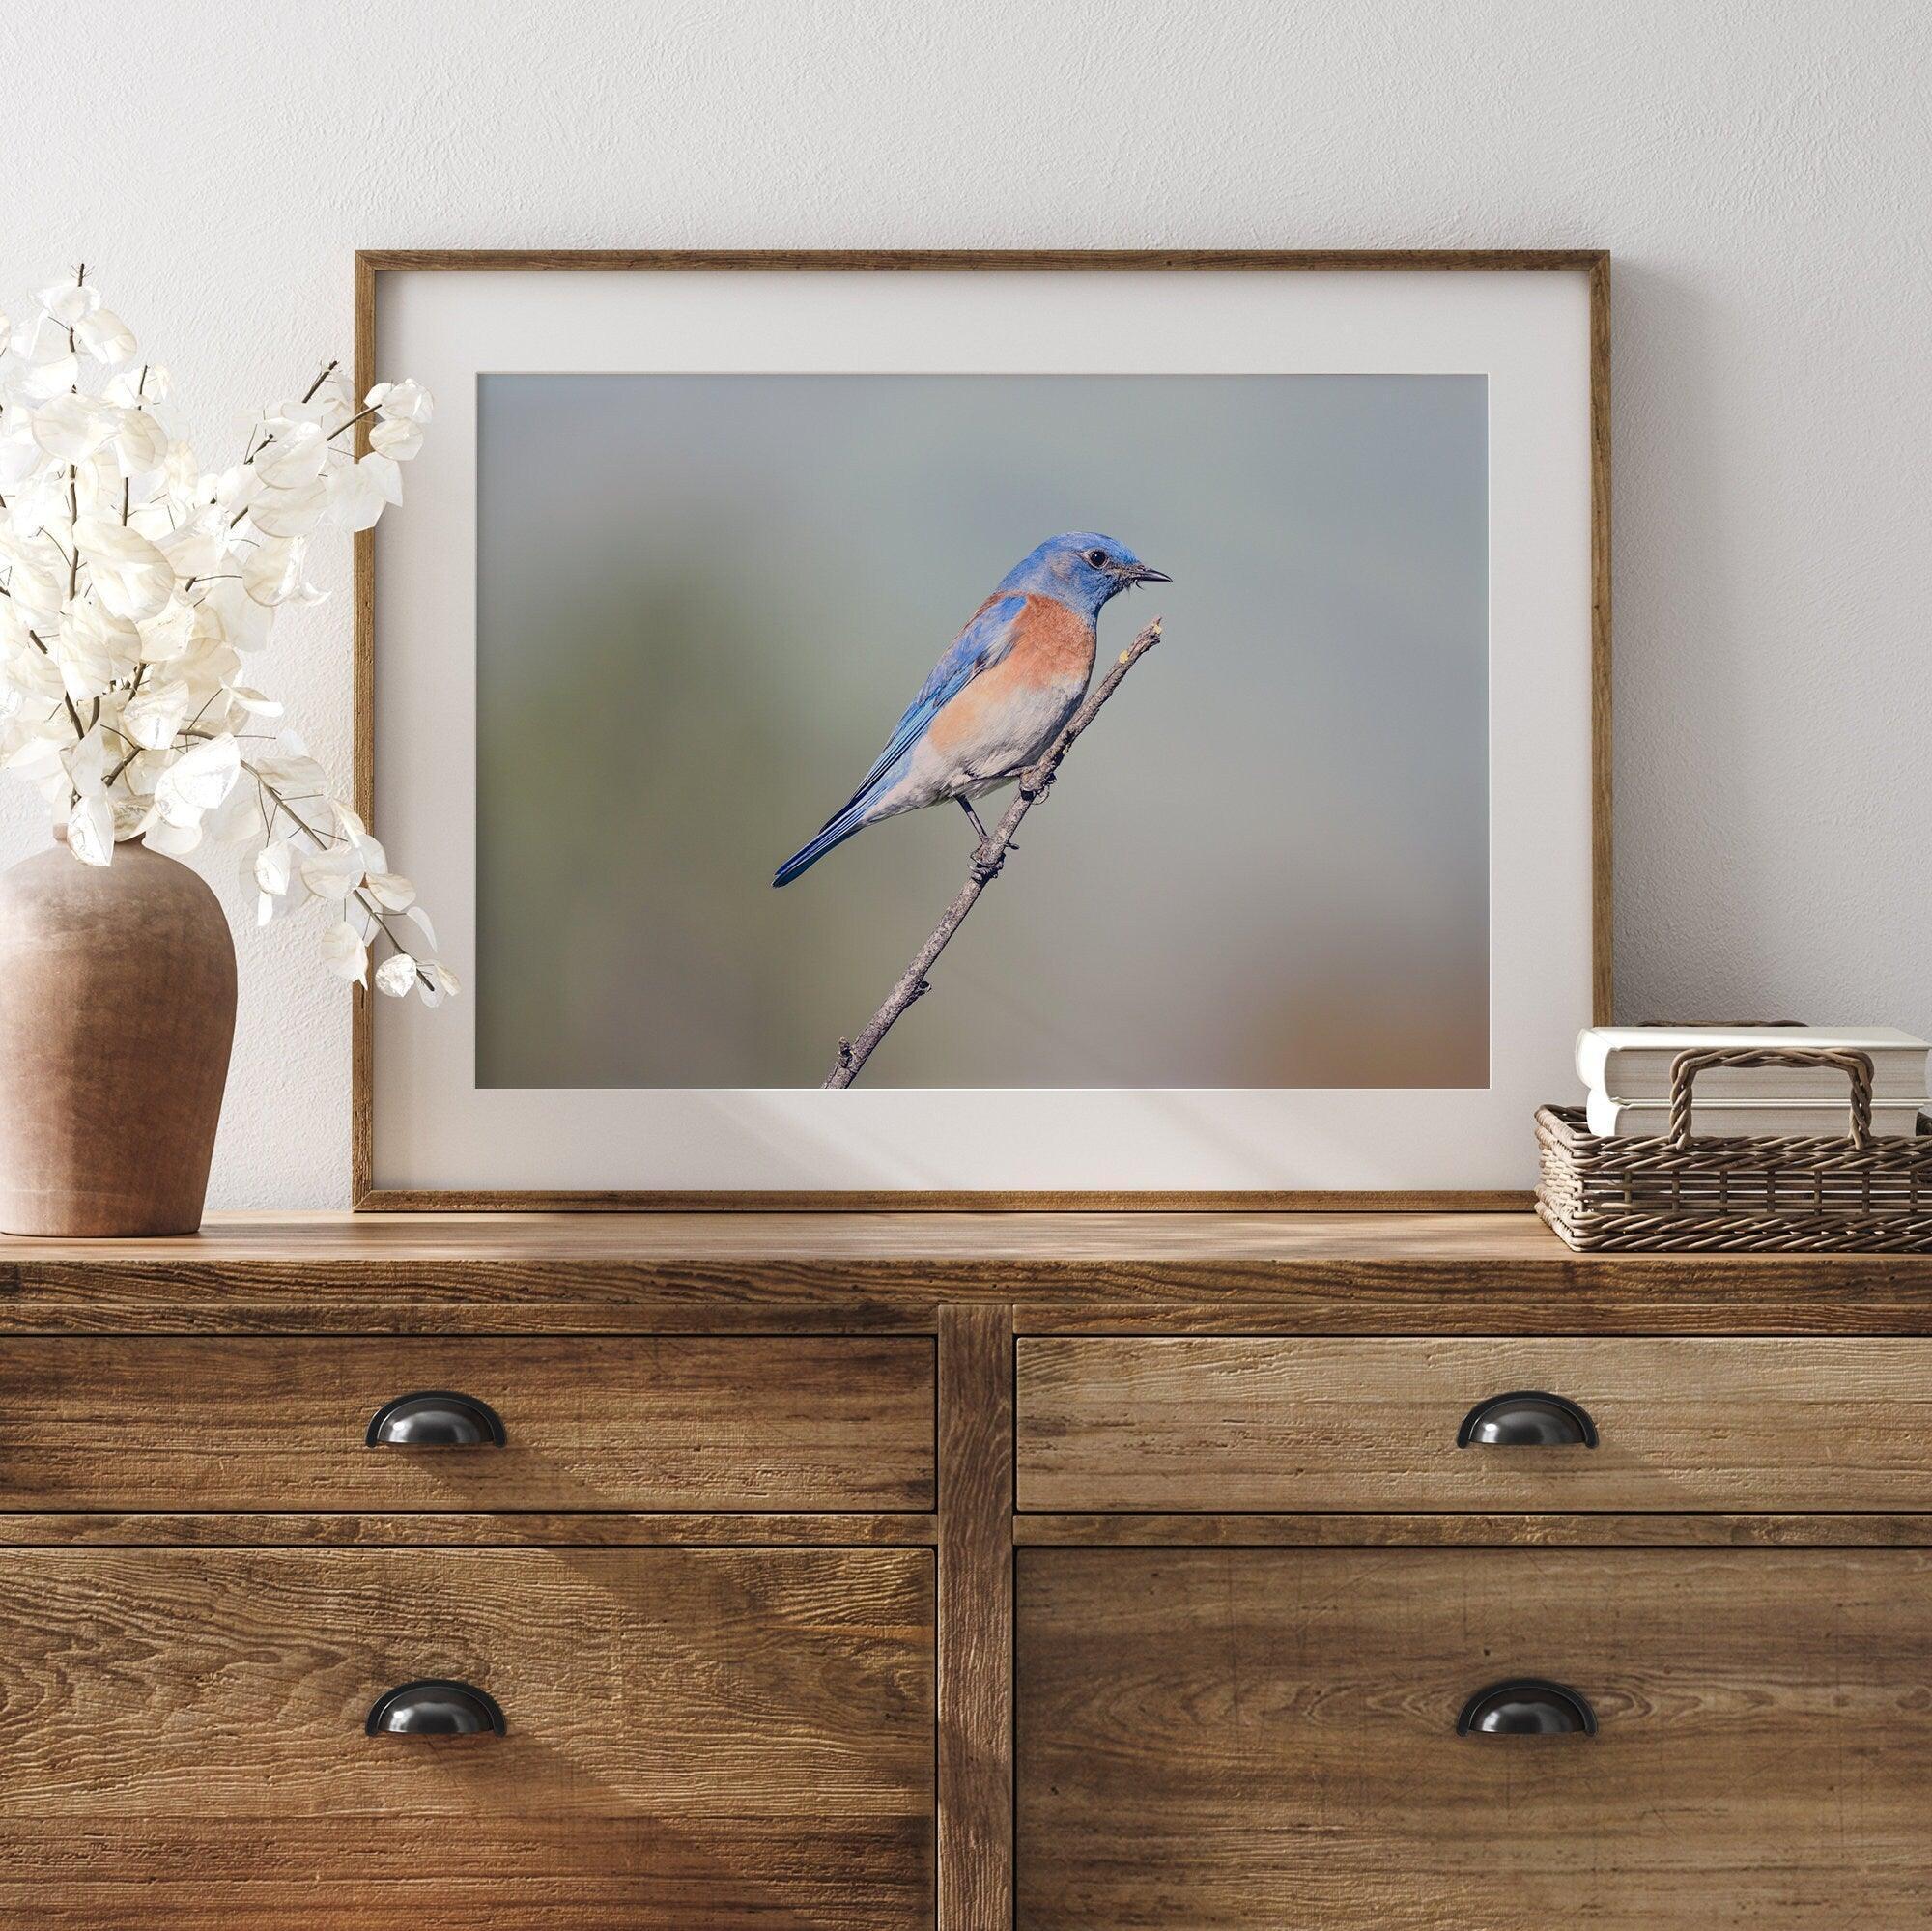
(865,637)
(999,696)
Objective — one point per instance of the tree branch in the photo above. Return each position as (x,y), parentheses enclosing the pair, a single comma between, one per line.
(1033,784)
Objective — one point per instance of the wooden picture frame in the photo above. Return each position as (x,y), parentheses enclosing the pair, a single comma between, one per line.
(372,264)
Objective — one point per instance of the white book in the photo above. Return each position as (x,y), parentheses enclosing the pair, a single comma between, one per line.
(1778,1119)
(1632,1062)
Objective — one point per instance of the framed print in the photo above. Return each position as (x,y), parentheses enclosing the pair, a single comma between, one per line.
(988,729)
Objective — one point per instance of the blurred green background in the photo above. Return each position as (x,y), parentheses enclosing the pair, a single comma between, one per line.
(705,600)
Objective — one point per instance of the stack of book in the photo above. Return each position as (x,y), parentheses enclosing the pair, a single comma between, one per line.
(1628,1071)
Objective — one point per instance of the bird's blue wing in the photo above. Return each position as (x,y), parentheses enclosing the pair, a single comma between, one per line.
(981,645)
(984,642)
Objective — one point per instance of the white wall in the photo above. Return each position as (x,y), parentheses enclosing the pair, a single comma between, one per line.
(1760,171)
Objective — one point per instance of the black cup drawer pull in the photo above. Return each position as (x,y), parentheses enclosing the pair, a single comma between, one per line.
(434,1706)
(1526,1418)
(1526,1707)
(435,1418)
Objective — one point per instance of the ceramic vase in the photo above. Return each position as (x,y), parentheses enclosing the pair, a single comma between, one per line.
(117,1010)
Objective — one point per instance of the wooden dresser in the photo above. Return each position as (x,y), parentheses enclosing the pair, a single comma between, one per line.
(1084,1573)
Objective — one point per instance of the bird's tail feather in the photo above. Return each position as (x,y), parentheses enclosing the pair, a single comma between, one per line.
(837,830)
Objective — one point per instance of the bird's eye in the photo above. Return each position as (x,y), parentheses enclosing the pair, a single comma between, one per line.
(1097,557)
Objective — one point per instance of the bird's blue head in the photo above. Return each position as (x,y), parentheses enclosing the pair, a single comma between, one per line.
(1081,569)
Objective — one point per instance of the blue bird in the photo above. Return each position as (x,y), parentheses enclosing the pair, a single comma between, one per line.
(1000,695)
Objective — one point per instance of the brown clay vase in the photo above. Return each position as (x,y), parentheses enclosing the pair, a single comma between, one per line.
(117,1010)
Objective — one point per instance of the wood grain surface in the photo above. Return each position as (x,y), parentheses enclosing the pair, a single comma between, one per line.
(720,1739)
(564,1240)
(1439,1529)
(1265,1740)
(976,1620)
(792,1422)
(476,1529)
(1178,1273)
(1226,1423)
(539,1528)
(751,1606)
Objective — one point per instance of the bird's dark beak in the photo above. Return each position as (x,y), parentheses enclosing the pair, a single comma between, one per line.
(1142,574)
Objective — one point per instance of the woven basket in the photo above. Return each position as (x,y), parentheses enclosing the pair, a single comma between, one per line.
(1849,1194)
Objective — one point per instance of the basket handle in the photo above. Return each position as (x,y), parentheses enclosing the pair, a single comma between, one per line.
(1686,1067)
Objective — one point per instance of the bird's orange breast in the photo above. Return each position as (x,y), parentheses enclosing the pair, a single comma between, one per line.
(1052,650)
(1052,643)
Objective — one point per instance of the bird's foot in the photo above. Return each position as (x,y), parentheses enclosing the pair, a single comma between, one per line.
(986,862)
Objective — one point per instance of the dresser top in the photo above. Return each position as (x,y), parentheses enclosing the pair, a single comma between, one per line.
(944,1238)
(638,1272)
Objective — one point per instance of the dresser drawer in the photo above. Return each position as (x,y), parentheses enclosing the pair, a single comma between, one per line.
(692,1737)
(1257,1739)
(652,1422)
(1287,1423)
